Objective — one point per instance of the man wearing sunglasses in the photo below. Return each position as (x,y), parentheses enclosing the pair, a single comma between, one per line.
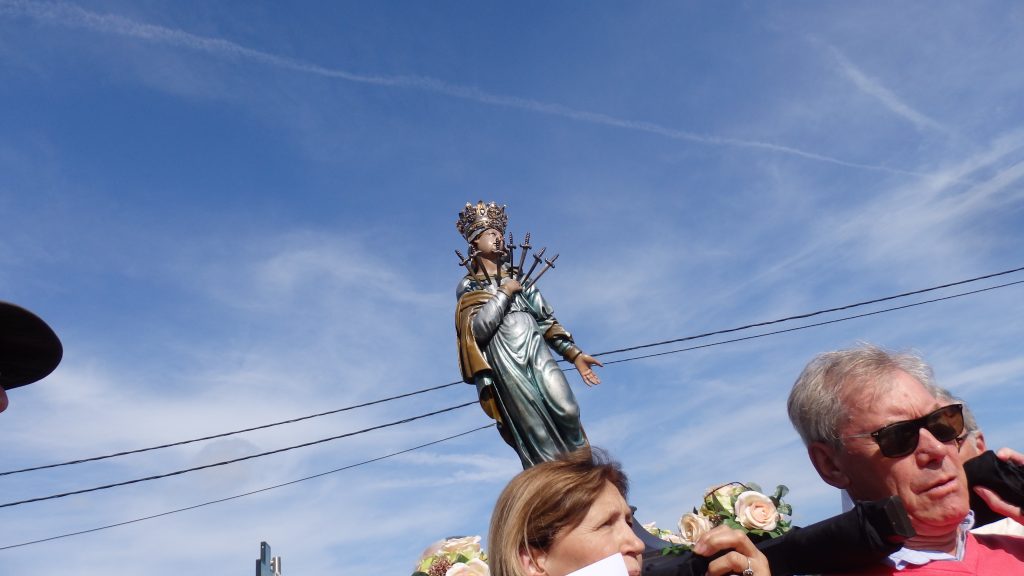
(873,427)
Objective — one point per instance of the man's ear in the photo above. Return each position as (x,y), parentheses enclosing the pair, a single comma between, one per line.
(979,441)
(824,458)
(533,561)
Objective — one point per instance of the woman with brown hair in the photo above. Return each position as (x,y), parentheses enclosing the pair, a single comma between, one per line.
(559,516)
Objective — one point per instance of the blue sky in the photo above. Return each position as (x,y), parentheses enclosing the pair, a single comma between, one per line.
(235,213)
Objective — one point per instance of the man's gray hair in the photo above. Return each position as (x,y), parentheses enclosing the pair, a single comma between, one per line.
(816,403)
(944,395)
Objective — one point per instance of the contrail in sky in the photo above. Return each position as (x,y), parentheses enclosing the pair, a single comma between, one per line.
(890,100)
(76,17)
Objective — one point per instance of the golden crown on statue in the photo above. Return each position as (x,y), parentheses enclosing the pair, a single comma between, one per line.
(476,219)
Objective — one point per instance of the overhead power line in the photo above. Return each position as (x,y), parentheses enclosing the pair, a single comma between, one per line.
(10,504)
(265,489)
(232,461)
(169,512)
(809,314)
(606,353)
(406,420)
(816,324)
(214,436)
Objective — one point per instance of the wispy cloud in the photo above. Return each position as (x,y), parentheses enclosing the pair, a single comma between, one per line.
(76,17)
(988,375)
(874,88)
(889,224)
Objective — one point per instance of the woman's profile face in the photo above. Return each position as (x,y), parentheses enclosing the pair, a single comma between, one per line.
(606,529)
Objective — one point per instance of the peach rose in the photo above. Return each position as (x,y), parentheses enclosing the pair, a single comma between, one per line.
(468,546)
(755,511)
(475,567)
(692,527)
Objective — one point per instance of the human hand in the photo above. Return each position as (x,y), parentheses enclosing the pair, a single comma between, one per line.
(583,363)
(1010,455)
(742,556)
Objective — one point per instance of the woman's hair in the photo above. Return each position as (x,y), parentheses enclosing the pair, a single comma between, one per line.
(544,500)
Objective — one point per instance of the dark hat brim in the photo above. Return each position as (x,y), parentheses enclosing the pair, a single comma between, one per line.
(29,349)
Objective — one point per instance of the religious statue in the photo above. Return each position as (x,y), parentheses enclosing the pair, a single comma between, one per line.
(504,329)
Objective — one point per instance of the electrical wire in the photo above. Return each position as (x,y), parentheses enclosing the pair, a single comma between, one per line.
(816,324)
(169,512)
(183,442)
(232,461)
(772,333)
(808,315)
(775,332)
(606,353)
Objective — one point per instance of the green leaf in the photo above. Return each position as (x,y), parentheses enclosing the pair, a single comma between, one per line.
(785,509)
(461,558)
(781,490)
(755,487)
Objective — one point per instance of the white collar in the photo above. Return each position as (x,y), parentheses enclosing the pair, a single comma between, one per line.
(905,557)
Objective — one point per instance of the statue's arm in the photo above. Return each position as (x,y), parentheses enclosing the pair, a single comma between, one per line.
(561,340)
(488,317)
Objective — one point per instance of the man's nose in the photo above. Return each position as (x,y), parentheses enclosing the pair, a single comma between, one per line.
(929,447)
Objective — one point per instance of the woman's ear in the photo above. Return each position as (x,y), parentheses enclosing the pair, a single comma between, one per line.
(533,561)
(824,458)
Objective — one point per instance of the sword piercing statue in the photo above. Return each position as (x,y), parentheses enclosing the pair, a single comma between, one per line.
(504,329)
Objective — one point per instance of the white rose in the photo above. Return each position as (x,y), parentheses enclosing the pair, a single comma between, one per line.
(693,526)
(666,535)
(475,567)
(672,537)
(468,546)
(755,511)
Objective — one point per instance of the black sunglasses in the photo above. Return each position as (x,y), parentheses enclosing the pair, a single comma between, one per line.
(900,438)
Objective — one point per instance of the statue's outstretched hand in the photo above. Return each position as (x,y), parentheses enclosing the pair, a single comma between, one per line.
(583,363)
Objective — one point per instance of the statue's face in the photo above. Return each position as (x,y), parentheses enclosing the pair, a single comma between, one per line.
(489,242)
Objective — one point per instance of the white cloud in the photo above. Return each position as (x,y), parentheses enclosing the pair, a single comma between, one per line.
(874,88)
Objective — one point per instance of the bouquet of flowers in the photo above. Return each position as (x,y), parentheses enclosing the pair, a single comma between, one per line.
(741,506)
(453,557)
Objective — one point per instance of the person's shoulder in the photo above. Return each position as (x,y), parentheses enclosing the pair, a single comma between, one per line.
(999,553)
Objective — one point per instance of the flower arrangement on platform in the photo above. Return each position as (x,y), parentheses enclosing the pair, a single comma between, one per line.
(453,557)
(741,506)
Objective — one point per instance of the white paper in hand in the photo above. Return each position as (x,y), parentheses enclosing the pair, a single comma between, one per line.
(613,565)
